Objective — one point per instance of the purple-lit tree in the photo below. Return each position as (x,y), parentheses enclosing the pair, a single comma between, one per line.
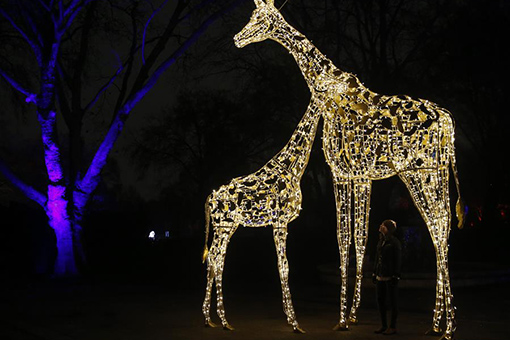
(58,34)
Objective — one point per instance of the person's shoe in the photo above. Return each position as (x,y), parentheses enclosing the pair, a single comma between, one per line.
(390,331)
(380,330)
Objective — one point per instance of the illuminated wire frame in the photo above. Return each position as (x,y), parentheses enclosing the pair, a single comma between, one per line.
(270,196)
(366,137)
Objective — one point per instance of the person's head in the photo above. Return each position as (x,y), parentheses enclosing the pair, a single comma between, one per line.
(387,227)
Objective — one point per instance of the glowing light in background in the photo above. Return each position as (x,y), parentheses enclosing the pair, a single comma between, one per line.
(366,137)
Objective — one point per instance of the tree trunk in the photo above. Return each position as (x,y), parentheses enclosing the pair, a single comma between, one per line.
(80,200)
(56,210)
(56,206)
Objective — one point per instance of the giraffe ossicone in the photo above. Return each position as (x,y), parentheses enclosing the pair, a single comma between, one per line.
(366,137)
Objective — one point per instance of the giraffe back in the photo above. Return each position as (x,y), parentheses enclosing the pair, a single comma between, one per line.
(266,197)
(368,135)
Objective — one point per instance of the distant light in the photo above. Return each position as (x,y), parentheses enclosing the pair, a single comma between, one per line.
(152,235)
(167,234)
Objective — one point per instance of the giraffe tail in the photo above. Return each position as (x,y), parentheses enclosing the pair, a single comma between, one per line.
(207,222)
(459,207)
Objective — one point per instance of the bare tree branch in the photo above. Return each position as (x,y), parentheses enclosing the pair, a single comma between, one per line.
(46,7)
(71,13)
(130,62)
(32,25)
(71,7)
(29,191)
(194,9)
(35,47)
(88,182)
(31,97)
(102,89)
(147,25)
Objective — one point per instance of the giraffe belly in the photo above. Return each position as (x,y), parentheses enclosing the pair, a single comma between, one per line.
(270,210)
(262,219)
(352,155)
(256,206)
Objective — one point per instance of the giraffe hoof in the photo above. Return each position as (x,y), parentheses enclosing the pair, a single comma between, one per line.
(228,327)
(299,330)
(447,336)
(352,321)
(434,332)
(341,327)
(211,324)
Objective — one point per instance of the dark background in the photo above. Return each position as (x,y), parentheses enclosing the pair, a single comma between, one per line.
(223,112)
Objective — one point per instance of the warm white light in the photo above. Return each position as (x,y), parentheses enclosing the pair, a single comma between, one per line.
(366,137)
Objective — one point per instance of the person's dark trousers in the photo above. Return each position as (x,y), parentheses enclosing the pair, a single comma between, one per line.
(387,291)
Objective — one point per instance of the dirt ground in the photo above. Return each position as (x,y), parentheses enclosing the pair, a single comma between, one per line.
(63,311)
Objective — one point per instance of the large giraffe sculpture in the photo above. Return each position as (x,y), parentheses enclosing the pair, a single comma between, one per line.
(270,196)
(366,137)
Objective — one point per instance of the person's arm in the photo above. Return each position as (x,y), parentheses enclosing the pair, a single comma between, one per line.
(376,264)
(397,261)
(398,258)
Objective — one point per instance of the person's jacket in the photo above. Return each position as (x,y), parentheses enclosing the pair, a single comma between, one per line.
(388,261)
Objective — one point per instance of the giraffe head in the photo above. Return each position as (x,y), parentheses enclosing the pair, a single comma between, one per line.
(261,25)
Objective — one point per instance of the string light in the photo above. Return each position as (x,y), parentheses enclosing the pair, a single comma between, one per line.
(366,137)
(270,196)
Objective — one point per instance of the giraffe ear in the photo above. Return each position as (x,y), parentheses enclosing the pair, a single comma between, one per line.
(260,3)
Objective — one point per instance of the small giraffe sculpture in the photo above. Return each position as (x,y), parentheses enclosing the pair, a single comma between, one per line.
(270,196)
(366,137)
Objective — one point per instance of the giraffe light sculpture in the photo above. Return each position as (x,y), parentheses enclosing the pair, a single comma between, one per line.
(366,137)
(270,196)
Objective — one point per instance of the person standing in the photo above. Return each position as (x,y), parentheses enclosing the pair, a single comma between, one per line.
(386,275)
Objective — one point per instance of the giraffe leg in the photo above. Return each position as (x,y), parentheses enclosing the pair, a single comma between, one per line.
(218,262)
(451,325)
(362,192)
(444,217)
(439,304)
(206,306)
(431,196)
(280,240)
(343,211)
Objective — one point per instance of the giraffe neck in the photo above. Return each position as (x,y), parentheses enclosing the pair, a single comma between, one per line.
(309,59)
(295,155)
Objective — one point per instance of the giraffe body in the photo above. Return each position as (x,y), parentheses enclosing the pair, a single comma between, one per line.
(252,202)
(366,137)
(371,136)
